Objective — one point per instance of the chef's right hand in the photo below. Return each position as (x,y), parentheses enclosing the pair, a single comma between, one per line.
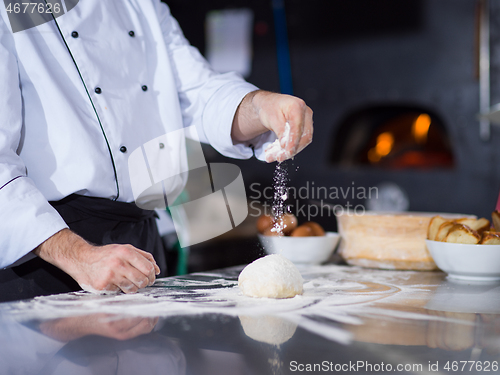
(102,268)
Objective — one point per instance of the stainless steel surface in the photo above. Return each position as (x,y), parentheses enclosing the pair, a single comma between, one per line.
(414,322)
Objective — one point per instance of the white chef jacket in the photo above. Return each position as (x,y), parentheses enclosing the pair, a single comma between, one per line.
(79,94)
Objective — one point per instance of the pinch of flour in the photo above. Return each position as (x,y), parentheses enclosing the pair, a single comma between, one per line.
(277,148)
(89,289)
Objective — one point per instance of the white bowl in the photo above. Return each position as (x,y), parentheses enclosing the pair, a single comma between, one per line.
(302,250)
(466,262)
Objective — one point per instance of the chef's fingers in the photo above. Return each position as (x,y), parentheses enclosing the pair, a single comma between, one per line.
(145,268)
(299,117)
(133,265)
(150,257)
(144,262)
(127,286)
(308,130)
(294,112)
(134,280)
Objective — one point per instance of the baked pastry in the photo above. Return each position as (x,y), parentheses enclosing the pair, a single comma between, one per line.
(479,225)
(461,233)
(495,215)
(443,230)
(434,225)
(466,230)
(490,238)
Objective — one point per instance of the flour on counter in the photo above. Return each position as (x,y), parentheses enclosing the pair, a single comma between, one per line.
(332,296)
(89,289)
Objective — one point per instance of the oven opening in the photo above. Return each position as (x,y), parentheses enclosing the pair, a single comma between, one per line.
(392,137)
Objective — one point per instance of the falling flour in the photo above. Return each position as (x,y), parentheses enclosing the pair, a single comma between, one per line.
(273,152)
(280,186)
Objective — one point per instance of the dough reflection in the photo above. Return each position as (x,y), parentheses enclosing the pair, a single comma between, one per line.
(269,329)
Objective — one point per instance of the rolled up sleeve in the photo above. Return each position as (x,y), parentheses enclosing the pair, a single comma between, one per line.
(26,218)
(209,100)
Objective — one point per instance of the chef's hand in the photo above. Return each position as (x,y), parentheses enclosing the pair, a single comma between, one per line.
(103,268)
(260,111)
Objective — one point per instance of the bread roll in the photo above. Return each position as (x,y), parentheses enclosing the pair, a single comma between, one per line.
(460,233)
(490,238)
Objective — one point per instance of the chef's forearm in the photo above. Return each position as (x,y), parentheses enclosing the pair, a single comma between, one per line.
(108,268)
(61,250)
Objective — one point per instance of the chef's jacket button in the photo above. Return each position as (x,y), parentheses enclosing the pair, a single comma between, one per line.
(123,149)
(74,34)
(144,88)
(162,145)
(98,90)
(131,33)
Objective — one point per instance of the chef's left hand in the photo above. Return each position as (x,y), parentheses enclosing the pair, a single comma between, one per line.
(261,111)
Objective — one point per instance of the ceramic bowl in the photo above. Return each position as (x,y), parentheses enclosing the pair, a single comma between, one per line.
(302,250)
(466,262)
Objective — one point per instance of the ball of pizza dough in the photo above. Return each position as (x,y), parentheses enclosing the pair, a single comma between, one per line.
(272,276)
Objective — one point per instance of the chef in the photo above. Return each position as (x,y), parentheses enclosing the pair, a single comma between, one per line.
(78,94)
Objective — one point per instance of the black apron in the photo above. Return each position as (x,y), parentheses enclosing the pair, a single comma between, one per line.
(99,221)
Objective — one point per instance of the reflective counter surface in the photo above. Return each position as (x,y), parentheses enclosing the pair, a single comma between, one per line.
(349,319)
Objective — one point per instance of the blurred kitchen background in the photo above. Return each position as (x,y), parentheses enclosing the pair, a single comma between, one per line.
(396,88)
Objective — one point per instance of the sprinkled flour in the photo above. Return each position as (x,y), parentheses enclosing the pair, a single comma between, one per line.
(342,294)
(89,289)
(280,183)
(272,152)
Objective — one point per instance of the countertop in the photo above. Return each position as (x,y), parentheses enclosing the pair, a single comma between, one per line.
(349,319)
